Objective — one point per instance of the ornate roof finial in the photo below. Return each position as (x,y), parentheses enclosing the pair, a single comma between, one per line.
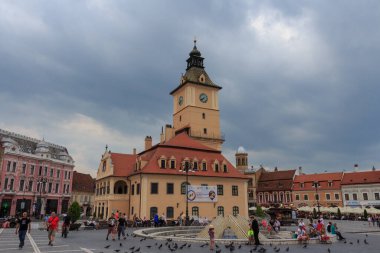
(195,42)
(106,147)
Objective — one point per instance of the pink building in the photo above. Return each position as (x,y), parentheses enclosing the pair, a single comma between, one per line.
(35,176)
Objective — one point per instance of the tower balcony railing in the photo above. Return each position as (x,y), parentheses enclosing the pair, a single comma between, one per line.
(199,134)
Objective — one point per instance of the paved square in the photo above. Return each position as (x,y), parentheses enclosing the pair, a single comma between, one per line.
(94,241)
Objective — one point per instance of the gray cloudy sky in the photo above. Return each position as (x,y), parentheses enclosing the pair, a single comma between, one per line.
(300,78)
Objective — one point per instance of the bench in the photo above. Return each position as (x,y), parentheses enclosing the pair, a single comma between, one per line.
(87,226)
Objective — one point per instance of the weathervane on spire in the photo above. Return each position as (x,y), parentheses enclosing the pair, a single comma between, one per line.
(195,42)
(106,147)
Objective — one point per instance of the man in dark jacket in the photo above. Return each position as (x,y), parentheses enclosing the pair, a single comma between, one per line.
(256,230)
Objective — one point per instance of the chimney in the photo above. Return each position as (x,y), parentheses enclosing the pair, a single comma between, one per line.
(300,170)
(356,166)
(275,169)
(162,136)
(134,151)
(373,168)
(148,142)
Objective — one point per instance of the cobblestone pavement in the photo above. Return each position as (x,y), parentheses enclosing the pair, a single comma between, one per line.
(94,241)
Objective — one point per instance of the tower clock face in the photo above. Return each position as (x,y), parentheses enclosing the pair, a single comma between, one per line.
(203,98)
(180,100)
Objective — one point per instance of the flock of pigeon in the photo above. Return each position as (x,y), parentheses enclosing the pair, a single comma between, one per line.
(231,247)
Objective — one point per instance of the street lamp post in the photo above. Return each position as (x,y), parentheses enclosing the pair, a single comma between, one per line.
(186,168)
(41,182)
(316,185)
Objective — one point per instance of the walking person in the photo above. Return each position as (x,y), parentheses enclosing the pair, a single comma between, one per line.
(211,234)
(122,222)
(23,226)
(65,225)
(111,227)
(256,230)
(52,226)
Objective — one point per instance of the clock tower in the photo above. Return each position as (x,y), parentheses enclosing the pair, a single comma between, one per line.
(196,103)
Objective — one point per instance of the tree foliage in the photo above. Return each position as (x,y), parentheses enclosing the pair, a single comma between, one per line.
(315,213)
(259,211)
(365,214)
(74,211)
(339,214)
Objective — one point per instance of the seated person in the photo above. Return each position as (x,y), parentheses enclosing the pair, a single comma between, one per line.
(312,231)
(324,237)
(301,234)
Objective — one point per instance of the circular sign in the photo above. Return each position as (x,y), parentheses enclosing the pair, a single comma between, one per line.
(191,195)
(212,195)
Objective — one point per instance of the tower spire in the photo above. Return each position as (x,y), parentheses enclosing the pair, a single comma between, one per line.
(195,59)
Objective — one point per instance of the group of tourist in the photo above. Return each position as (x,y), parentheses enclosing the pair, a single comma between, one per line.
(116,225)
(374,220)
(317,229)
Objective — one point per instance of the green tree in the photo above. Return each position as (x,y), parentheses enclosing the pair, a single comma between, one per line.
(315,213)
(74,211)
(339,214)
(365,214)
(259,211)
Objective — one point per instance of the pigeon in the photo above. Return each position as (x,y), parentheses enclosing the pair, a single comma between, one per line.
(134,235)
(328,250)
(216,245)
(277,250)
(239,247)
(351,243)
(365,241)
(137,250)
(287,249)
(366,235)
(218,250)
(232,248)
(106,247)
(270,244)
(345,241)
(149,246)
(116,250)
(304,246)
(358,241)
(159,247)
(121,245)
(203,245)
(132,248)
(189,245)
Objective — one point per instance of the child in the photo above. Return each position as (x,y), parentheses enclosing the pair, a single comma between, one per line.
(211,233)
(250,236)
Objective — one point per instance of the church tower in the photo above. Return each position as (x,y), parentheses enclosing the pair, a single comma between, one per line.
(196,104)
(241,160)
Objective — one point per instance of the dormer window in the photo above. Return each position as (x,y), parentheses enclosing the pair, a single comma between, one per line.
(195,165)
(162,164)
(330,183)
(225,168)
(172,164)
(302,185)
(216,166)
(204,166)
(202,78)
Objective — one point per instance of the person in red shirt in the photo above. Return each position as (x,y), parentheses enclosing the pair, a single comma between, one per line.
(319,227)
(52,226)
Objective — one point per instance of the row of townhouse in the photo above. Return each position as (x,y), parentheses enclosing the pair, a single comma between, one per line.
(332,189)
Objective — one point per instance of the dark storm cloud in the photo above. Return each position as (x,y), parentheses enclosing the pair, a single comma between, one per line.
(300,79)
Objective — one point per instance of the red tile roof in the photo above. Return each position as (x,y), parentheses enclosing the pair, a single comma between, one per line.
(181,147)
(184,141)
(83,182)
(323,179)
(123,164)
(363,177)
(281,180)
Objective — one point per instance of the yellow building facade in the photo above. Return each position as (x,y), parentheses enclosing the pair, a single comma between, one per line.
(154,180)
